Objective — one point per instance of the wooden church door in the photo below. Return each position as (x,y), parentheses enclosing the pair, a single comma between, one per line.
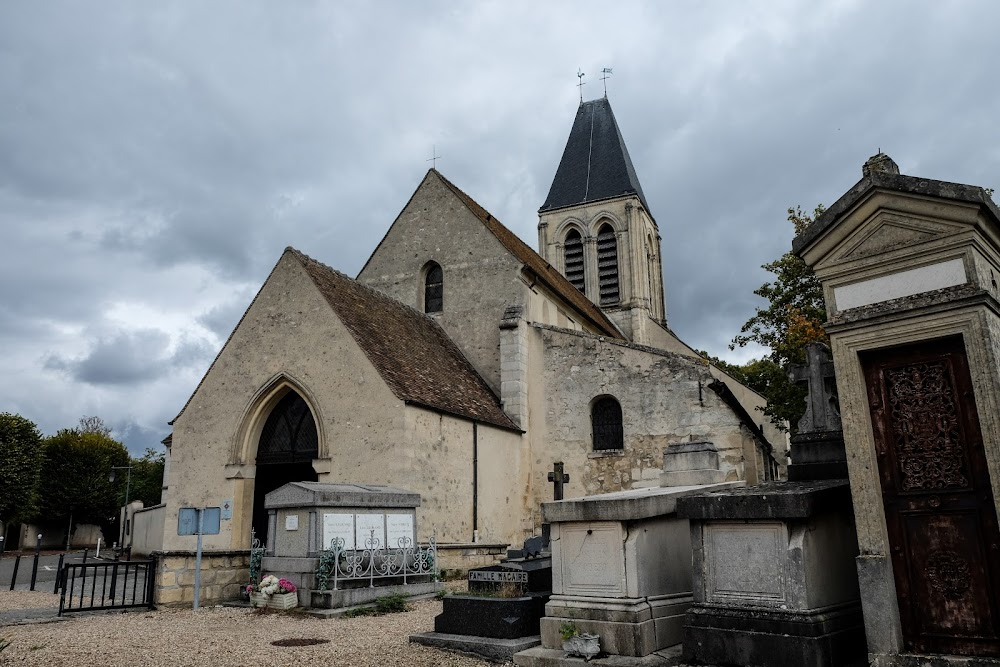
(288,445)
(941,519)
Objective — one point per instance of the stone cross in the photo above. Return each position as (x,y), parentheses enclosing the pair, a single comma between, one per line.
(817,375)
(558,478)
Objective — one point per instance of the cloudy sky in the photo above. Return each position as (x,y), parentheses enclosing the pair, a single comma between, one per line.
(155,158)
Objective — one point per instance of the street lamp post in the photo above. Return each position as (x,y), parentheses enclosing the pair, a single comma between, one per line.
(128,484)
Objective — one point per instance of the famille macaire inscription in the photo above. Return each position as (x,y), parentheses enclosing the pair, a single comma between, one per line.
(356,530)
(498,577)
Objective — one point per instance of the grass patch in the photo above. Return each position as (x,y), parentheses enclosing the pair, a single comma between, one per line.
(389,604)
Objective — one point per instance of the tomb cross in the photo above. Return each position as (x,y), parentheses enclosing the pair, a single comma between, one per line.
(580,85)
(558,478)
(434,157)
(818,377)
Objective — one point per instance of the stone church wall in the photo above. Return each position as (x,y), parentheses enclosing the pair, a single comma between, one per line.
(664,398)
(480,275)
(367,435)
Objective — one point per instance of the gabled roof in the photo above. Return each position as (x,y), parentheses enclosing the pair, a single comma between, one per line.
(898,183)
(595,164)
(412,353)
(545,272)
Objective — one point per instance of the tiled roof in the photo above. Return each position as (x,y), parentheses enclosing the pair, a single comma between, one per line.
(412,353)
(545,271)
(595,164)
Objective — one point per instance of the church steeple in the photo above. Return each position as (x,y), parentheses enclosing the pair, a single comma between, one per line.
(596,228)
(595,164)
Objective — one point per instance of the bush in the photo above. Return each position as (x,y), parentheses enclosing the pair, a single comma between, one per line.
(391,604)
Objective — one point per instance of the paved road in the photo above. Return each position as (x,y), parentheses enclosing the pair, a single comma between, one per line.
(47,565)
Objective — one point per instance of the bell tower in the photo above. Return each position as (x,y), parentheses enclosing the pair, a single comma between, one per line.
(596,228)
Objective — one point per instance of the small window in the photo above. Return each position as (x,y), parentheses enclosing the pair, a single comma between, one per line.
(434,289)
(573,249)
(607,266)
(606,423)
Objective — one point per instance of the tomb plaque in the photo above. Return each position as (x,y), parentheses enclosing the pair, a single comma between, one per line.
(399,527)
(592,561)
(338,525)
(364,524)
(744,562)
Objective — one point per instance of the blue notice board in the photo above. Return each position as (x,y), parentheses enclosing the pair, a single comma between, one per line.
(187,520)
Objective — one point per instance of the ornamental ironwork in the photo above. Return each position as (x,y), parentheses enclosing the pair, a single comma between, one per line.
(926,427)
(376,561)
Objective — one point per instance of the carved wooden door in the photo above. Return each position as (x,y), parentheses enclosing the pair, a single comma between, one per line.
(942,524)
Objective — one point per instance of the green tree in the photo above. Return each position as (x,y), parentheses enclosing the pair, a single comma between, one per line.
(20,466)
(77,466)
(793,317)
(147,478)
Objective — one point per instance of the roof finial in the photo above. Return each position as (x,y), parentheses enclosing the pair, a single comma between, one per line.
(434,157)
(606,72)
(580,85)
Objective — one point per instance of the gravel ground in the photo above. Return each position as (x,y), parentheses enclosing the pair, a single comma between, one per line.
(27,599)
(220,637)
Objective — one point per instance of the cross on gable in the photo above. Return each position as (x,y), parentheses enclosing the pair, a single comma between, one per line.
(817,374)
(558,478)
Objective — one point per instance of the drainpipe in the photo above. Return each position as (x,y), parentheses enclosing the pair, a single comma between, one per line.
(475,482)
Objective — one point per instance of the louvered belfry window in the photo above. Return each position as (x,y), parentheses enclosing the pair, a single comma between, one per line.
(289,434)
(606,422)
(607,266)
(434,289)
(574,261)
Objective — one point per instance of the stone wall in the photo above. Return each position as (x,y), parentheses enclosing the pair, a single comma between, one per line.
(454,560)
(480,276)
(223,576)
(664,398)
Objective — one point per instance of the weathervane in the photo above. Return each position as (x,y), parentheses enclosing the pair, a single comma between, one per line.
(580,85)
(434,157)
(606,72)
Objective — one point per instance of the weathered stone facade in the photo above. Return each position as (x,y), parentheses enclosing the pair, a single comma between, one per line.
(532,352)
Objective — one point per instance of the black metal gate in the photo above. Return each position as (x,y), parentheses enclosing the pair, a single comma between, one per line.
(111,585)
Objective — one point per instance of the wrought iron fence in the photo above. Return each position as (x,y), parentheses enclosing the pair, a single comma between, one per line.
(375,561)
(106,585)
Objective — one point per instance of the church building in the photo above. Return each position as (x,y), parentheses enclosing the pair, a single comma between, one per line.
(461,364)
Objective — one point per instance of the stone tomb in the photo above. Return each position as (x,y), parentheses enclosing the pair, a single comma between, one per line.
(774,574)
(500,615)
(621,568)
(775,583)
(910,269)
(304,518)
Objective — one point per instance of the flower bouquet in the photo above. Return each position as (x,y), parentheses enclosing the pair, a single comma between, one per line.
(274,593)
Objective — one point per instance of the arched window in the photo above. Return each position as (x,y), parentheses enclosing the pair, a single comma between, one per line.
(607,266)
(606,424)
(434,289)
(289,434)
(573,248)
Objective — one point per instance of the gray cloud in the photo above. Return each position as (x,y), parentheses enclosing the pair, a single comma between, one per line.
(156,159)
(130,358)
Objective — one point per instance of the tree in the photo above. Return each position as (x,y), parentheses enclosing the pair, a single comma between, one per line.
(20,467)
(793,318)
(147,478)
(94,425)
(77,466)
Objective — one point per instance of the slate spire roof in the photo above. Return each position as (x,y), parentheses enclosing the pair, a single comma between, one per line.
(595,164)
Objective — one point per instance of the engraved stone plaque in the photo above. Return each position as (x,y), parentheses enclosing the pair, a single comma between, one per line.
(364,524)
(338,525)
(745,562)
(397,527)
(592,559)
